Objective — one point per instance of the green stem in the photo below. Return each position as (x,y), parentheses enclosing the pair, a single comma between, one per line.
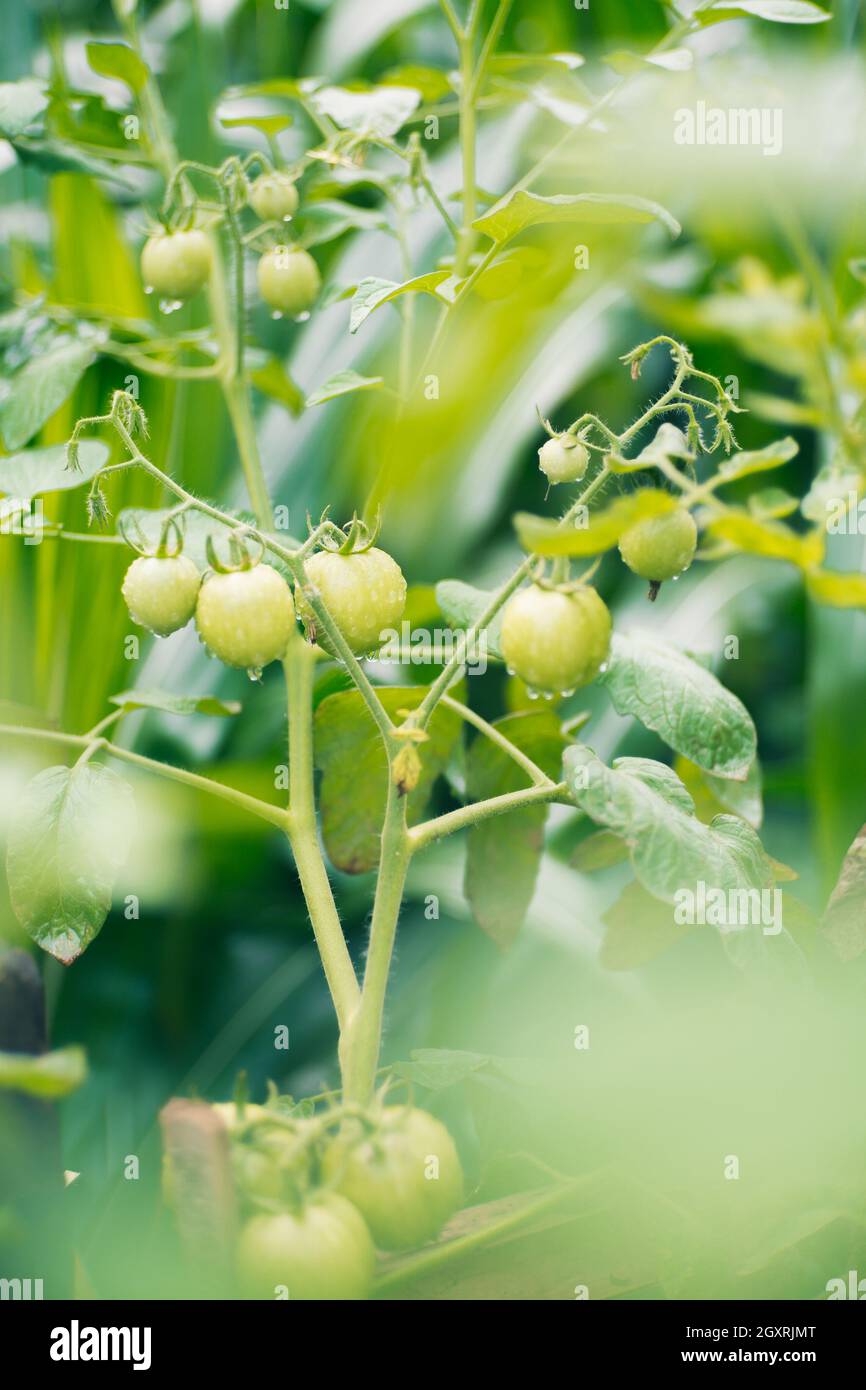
(429,830)
(495,736)
(467,148)
(361,1042)
(299,667)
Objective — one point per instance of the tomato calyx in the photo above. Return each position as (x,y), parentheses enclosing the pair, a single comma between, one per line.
(240,557)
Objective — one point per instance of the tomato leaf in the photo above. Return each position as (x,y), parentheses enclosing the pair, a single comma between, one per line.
(503,855)
(344,384)
(70,836)
(324,221)
(463,605)
(372,293)
(20,104)
(682,702)
(758,460)
(844,922)
(714,795)
(175,704)
(47,1077)
(374,111)
(40,388)
(778,11)
(768,538)
(837,590)
(272,379)
(355,773)
(592,532)
(517,211)
(638,927)
(118,61)
(33,471)
(601,850)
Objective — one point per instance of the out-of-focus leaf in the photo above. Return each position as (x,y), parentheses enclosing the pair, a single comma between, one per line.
(825,586)
(682,702)
(669,443)
(768,538)
(646,804)
(844,922)
(759,460)
(592,532)
(779,11)
(355,771)
(372,293)
(40,388)
(268,125)
(35,471)
(20,104)
(772,504)
(344,384)
(517,211)
(601,850)
(672,60)
(637,929)
(714,795)
(118,61)
(174,704)
(47,1077)
(376,111)
(503,854)
(432,83)
(62,156)
(438,1068)
(69,838)
(324,221)
(463,605)
(272,379)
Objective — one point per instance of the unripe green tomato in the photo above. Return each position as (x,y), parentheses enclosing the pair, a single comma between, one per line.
(289,280)
(405,1179)
(660,547)
(233,1118)
(161,593)
(176,264)
(365,594)
(246,618)
(555,641)
(274,197)
(321,1252)
(563,460)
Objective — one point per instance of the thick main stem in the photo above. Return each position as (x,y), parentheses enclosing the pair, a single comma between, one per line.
(361,1042)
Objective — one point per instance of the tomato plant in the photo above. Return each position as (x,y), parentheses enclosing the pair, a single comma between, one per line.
(328,500)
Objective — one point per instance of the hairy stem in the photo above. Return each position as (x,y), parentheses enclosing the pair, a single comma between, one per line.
(465,816)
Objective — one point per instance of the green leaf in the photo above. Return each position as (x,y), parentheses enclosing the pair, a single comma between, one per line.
(344,384)
(272,379)
(779,11)
(672,60)
(355,771)
(62,156)
(601,850)
(463,605)
(375,111)
(174,704)
(714,795)
(35,471)
(637,929)
(47,1077)
(682,702)
(20,104)
(646,804)
(759,460)
(69,838)
(669,443)
(118,61)
(519,210)
(33,394)
(324,221)
(844,922)
(768,538)
(432,83)
(372,293)
(268,125)
(836,590)
(592,532)
(772,504)
(503,854)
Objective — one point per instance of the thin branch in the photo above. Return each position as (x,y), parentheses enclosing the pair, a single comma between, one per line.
(466,816)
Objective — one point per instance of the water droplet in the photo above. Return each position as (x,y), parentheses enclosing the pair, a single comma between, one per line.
(302,318)
(533,694)
(601,670)
(170,306)
(287,217)
(511,671)
(676,576)
(148,289)
(549,694)
(567,694)
(255,673)
(276,314)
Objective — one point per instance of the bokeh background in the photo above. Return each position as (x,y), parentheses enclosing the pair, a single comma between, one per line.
(685,1065)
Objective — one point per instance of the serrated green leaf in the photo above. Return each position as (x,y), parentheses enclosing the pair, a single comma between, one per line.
(118,61)
(49,1076)
(463,605)
(374,111)
(758,460)
(355,771)
(372,293)
(20,104)
(70,836)
(503,855)
(344,384)
(175,704)
(768,538)
(592,532)
(646,804)
(519,210)
(682,702)
(33,394)
(35,471)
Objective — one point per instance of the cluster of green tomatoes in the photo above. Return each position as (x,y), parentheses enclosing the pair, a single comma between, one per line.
(318,1195)
(177,264)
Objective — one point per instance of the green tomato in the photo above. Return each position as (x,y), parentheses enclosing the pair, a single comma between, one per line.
(289,280)
(161,593)
(176,264)
(555,641)
(660,547)
(233,1118)
(274,197)
(321,1252)
(246,618)
(365,594)
(563,460)
(405,1179)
